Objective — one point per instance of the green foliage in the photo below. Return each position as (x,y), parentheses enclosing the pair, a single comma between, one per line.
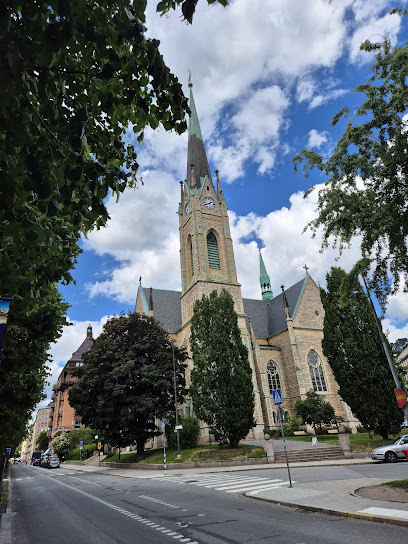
(77,454)
(221,380)
(356,356)
(42,441)
(34,322)
(188,7)
(61,445)
(365,192)
(86,435)
(315,411)
(188,434)
(127,380)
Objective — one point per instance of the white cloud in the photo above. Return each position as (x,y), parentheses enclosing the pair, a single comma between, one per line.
(316,138)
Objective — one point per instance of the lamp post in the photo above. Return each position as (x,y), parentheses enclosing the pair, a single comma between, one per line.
(385,346)
(175,401)
(96,444)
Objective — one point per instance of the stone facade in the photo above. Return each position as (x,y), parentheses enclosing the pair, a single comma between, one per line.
(283,334)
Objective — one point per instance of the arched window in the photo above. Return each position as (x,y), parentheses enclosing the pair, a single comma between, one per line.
(212,248)
(273,376)
(275,421)
(191,255)
(316,371)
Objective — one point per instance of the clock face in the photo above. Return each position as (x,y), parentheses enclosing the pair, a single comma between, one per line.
(209,203)
(188,208)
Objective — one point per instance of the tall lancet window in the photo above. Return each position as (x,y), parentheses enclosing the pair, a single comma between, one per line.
(190,258)
(273,376)
(212,248)
(316,371)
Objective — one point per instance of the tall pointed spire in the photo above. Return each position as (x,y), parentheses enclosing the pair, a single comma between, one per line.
(196,151)
(286,304)
(264,280)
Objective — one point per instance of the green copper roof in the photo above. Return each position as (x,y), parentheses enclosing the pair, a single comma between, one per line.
(143,298)
(264,280)
(194,125)
(196,154)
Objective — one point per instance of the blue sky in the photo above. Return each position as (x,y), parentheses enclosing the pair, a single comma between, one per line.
(268,76)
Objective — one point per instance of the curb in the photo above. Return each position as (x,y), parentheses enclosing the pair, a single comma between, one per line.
(341,513)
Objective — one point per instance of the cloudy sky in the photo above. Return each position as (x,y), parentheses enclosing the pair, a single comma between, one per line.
(268,76)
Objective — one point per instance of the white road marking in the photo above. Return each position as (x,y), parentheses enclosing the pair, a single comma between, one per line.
(168,532)
(228,483)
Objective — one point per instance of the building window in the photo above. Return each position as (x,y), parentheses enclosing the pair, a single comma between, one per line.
(275,421)
(191,255)
(212,248)
(316,371)
(273,377)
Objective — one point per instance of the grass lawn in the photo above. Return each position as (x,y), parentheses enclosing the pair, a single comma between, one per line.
(201,453)
(358,442)
(398,483)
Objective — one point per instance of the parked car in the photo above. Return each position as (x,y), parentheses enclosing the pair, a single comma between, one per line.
(393,452)
(54,462)
(45,457)
(36,462)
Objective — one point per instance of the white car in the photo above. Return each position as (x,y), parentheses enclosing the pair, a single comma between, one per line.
(393,452)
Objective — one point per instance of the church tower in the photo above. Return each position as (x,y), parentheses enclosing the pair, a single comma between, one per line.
(206,250)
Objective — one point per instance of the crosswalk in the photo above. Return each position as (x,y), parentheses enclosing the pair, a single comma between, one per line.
(228,482)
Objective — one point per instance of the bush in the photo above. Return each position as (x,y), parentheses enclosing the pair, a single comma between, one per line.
(84,433)
(188,434)
(74,455)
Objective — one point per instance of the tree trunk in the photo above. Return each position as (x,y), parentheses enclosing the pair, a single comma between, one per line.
(140,449)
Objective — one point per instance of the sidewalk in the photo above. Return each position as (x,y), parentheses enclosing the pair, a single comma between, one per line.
(335,497)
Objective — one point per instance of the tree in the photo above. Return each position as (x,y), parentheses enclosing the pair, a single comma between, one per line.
(315,411)
(221,379)
(42,441)
(86,435)
(126,382)
(356,356)
(23,371)
(365,192)
(61,445)
(188,7)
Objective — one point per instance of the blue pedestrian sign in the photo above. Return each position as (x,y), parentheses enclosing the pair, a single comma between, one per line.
(8,450)
(163,424)
(277,397)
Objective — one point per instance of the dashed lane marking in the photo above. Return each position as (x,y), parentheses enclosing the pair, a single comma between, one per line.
(136,517)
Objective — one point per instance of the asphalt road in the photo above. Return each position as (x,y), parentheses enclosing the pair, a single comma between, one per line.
(59,507)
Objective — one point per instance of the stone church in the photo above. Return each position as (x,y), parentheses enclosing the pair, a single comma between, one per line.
(283,333)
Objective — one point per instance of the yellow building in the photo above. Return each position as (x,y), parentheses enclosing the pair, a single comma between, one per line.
(283,333)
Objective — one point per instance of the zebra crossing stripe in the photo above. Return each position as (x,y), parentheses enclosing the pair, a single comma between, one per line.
(236,482)
(252,485)
(244,489)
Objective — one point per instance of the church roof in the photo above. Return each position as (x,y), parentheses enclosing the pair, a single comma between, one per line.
(196,154)
(167,308)
(267,318)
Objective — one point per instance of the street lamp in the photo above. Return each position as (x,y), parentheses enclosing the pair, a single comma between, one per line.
(175,401)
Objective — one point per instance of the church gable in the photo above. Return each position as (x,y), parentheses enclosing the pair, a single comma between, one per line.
(309,312)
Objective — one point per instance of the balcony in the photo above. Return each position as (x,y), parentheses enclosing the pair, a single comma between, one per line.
(55,387)
(62,429)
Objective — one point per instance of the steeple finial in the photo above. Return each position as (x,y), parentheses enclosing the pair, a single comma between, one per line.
(264,280)
(219,190)
(306,268)
(285,303)
(189,78)
(151,302)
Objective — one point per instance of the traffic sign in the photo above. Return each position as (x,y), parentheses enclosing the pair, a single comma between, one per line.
(163,424)
(99,445)
(277,397)
(401,397)
(8,450)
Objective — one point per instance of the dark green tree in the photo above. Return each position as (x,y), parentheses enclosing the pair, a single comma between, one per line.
(221,379)
(85,434)
(356,356)
(366,177)
(23,368)
(315,411)
(42,441)
(126,382)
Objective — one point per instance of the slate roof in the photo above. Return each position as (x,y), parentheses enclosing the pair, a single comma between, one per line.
(267,318)
(86,344)
(166,308)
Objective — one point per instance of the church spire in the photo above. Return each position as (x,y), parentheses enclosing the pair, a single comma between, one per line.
(196,154)
(264,280)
